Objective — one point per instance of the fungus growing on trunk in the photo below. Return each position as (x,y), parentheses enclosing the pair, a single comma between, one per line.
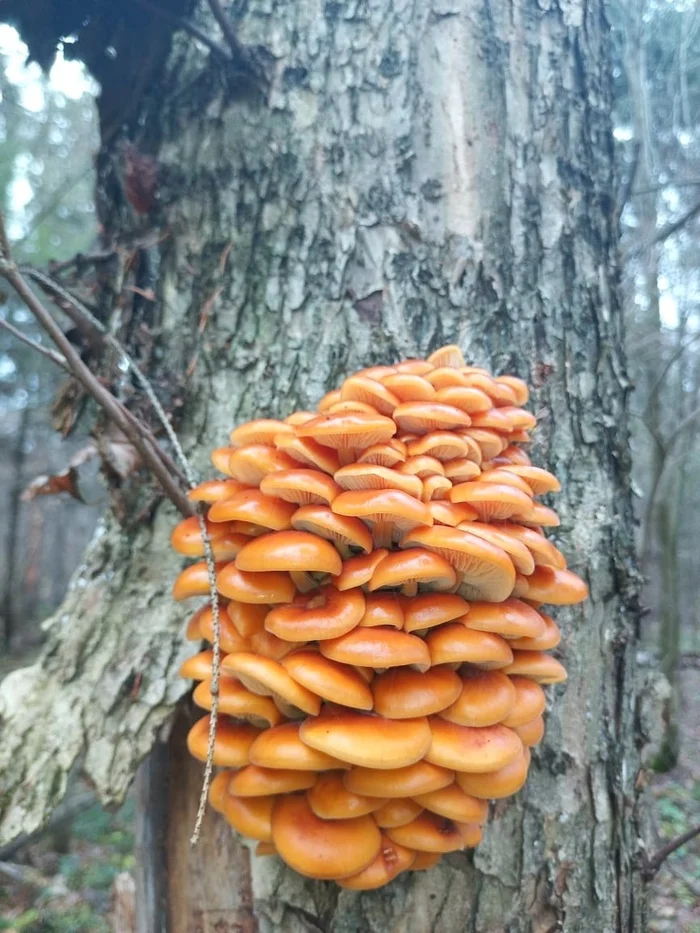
(381,565)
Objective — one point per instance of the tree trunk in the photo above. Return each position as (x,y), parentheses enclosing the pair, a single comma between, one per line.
(415,174)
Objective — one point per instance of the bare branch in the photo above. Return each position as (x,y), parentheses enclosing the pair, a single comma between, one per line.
(187,26)
(45,351)
(626,189)
(665,232)
(664,372)
(653,864)
(102,396)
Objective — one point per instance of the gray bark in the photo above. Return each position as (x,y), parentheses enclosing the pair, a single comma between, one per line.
(416,174)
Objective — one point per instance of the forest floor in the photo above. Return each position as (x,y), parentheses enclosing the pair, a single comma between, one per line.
(66,882)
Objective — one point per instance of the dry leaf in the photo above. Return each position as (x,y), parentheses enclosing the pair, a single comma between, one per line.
(65,481)
(118,454)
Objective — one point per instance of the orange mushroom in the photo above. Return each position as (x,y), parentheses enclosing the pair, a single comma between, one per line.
(321,848)
(389,862)
(281,747)
(401,693)
(485,698)
(334,682)
(466,748)
(419,778)
(368,741)
(330,799)
(255,508)
(325,613)
(378,648)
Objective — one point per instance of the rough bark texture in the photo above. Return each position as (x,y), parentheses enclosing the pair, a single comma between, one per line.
(416,174)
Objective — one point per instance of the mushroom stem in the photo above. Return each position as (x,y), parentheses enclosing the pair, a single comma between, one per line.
(382,534)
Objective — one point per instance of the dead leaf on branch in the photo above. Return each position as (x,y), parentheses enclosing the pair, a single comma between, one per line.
(118,454)
(65,481)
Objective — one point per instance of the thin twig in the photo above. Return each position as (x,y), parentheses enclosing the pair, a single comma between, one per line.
(45,351)
(102,396)
(667,231)
(653,864)
(81,259)
(187,26)
(239,54)
(112,405)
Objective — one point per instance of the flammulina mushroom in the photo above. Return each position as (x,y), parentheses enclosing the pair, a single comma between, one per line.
(382,563)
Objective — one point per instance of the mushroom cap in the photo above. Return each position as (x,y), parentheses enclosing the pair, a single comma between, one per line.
(271,586)
(462,470)
(388,454)
(289,550)
(550,638)
(530,701)
(357,571)
(389,862)
(409,387)
(281,747)
(198,666)
(330,398)
(231,746)
(214,490)
(334,682)
(382,609)
(540,481)
(494,418)
(428,833)
(351,406)
(260,431)
(485,698)
(517,386)
(465,748)
(368,741)
(253,781)
(371,391)
(538,666)
(320,848)
(326,523)
(426,610)
(194,581)
(424,417)
(320,614)
(404,693)
(220,457)
(435,487)
(531,733)
(537,514)
(416,565)
(235,700)
(443,445)
(307,452)
(349,429)
(522,558)
(513,454)
(422,466)
(486,571)
(268,678)
(270,646)
(254,507)
(248,618)
(489,442)
(187,539)
(218,788)
(265,848)
(452,803)
(466,398)
(383,505)
(451,513)
(301,486)
(520,419)
(250,464)
(493,501)
(425,860)
(250,816)
(377,648)
(299,417)
(494,785)
(499,393)
(492,473)
(193,632)
(397,812)
(374,476)
(542,550)
(330,799)
(511,618)
(555,586)
(453,643)
(419,778)
(449,356)
(230,638)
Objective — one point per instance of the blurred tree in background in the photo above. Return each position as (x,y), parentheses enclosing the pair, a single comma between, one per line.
(48,136)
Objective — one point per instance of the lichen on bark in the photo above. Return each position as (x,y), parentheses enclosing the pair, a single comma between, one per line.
(415,174)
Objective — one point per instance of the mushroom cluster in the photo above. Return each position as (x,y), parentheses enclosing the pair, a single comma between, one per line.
(382,565)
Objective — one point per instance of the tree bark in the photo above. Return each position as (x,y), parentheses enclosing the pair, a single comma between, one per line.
(415,174)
